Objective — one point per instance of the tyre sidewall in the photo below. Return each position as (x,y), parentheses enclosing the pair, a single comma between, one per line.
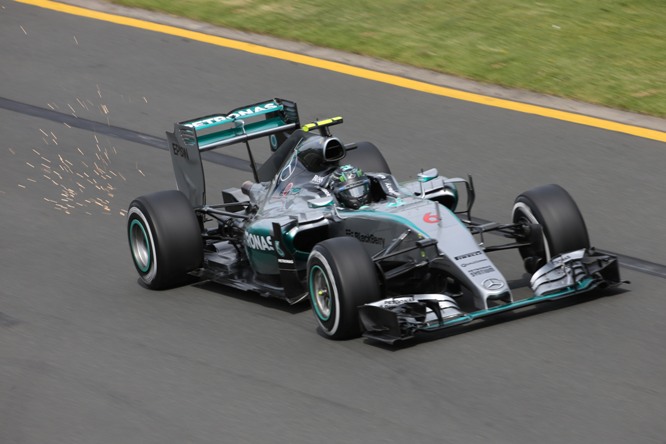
(352,279)
(330,325)
(552,207)
(523,210)
(137,214)
(174,238)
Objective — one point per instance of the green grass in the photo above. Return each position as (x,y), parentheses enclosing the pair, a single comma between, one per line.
(608,52)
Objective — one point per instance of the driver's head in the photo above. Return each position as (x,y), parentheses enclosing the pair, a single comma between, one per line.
(350,186)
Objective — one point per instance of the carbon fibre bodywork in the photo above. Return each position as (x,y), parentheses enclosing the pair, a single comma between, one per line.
(419,233)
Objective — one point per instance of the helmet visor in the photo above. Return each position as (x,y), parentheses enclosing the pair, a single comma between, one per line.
(357,191)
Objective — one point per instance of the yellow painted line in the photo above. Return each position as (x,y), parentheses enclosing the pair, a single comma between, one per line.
(353,71)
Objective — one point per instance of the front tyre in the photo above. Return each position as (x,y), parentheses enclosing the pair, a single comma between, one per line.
(341,277)
(164,238)
(562,224)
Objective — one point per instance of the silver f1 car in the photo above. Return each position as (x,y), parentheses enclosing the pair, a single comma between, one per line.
(327,221)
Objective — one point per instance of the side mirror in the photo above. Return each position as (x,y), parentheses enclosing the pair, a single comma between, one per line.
(321,202)
(428,175)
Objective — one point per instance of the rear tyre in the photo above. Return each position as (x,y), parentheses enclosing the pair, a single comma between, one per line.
(562,224)
(367,157)
(341,277)
(164,238)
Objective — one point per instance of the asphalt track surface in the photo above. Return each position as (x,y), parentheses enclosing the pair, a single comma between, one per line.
(87,355)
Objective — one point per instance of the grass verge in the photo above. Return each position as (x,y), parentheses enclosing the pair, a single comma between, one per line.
(609,52)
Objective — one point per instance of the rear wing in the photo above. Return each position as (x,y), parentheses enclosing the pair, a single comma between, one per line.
(274,119)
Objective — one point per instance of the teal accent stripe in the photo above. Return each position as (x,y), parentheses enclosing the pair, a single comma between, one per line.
(313,297)
(393,217)
(145,239)
(250,128)
(246,112)
(468,317)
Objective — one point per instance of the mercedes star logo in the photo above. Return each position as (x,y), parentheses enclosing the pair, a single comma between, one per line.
(493,284)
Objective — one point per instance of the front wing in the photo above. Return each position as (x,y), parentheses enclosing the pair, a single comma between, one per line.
(400,318)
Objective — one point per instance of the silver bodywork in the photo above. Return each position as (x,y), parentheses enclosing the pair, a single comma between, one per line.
(419,232)
(458,252)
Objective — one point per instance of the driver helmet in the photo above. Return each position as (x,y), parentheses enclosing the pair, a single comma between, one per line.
(350,186)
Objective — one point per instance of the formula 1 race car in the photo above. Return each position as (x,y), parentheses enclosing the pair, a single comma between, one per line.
(327,221)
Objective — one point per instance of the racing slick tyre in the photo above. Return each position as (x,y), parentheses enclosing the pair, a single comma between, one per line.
(562,225)
(341,277)
(164,238)
(367,157)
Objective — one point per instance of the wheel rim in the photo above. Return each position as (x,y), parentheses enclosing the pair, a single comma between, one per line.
(140,245)
(525,215)
(320,293)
